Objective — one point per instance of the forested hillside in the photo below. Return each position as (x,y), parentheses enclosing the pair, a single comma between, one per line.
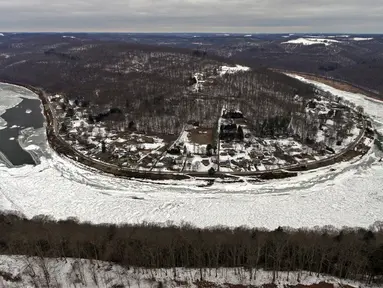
(153,86)
(158,108)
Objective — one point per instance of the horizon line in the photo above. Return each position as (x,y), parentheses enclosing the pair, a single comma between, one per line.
(178,32)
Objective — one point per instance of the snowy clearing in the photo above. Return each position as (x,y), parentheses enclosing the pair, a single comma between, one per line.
(345,194)
(230,70)
(361,39)
(338,36)
(311,41)
(22,271)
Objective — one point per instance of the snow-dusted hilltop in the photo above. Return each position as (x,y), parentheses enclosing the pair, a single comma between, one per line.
(324,40)
(230,69)
(361,39)
(312,41)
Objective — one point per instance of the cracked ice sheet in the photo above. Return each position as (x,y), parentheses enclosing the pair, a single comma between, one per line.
(349,196)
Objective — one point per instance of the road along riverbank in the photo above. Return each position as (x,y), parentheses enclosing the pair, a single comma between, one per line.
(355,148)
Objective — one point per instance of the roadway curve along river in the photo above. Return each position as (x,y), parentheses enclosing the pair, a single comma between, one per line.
(345,194)
(64,148)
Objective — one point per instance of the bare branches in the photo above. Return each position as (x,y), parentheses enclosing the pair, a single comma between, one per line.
(351,253)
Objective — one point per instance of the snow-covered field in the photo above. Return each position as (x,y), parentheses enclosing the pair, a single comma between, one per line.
(362,39)
(231,70)
(27,272)
(346,194)
(311,41)
(324,40)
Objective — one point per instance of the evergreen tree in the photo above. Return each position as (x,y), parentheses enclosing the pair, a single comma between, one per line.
(209,147)
(240,134)
(211,172)
(103,147)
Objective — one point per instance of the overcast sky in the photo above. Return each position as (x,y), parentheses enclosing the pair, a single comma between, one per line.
(247,16)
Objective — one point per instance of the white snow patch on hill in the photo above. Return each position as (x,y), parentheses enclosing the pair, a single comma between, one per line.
(231,70)
(361,39)
(1,34)
(25,271)
(311,41)
(71,37)
(338,36)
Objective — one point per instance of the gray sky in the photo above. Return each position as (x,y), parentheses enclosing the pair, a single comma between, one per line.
(248,16)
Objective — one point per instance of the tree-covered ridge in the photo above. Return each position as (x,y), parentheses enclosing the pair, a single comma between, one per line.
(152,85)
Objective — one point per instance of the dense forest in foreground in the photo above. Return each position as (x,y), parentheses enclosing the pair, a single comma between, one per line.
(352,253)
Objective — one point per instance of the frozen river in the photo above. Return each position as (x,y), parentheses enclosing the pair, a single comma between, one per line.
(346,194)
(20,112)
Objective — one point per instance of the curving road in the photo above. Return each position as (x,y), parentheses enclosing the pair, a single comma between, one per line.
(56,141)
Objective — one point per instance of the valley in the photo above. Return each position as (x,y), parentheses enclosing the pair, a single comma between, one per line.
(204,150)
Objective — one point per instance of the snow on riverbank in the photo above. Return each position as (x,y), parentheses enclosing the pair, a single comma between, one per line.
(372,107)
(346,194)
(22,271)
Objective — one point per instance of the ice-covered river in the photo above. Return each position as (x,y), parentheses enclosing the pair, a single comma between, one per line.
(346,194)
(20,112)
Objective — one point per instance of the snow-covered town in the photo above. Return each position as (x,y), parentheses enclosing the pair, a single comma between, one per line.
(335,124)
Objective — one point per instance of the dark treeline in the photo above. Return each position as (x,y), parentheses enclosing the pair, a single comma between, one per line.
(348,253)
(266,98)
